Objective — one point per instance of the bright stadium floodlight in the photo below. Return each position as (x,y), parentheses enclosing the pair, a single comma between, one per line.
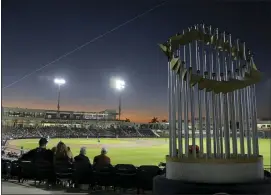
(120,85)
(59,81)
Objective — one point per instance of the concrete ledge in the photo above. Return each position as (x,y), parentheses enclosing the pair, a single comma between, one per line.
(215,170)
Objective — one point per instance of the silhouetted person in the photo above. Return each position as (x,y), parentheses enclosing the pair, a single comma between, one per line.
(39,154)
(54,150)
(82,158)
(101,160)
(69,152)
(62,154)
(83,168)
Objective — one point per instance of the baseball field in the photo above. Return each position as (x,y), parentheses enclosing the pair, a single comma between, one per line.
(125,150)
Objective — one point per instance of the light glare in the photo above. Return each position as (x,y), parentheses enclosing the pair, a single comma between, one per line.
(59,81)
(120,84)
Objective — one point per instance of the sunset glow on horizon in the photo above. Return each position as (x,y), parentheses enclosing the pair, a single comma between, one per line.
(34,53)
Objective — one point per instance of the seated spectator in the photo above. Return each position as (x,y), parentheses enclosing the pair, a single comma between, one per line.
(83,168)
(61,153)
(54,150)
(101,160)
(39,154)
(69,153)
(82,158)
(191,148)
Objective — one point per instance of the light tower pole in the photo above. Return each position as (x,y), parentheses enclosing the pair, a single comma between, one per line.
(59,82)
(119,105)
(120,85)
(58,99)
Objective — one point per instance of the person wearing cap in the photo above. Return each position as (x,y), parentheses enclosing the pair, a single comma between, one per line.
(102,159)
(40,153)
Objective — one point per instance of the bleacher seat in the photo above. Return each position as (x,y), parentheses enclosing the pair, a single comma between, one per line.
(44,171)
(6,169)
(82,174)
(64,172)
(104,176)
(267,174)
(145,175)
(24,169)
(125,176)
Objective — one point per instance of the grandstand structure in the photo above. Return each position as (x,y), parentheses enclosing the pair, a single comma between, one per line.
(23,117)
(19,119)
(264,125)
(19,123)
(162,128)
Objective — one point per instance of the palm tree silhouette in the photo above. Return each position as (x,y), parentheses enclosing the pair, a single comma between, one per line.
(154,120)
(127,120)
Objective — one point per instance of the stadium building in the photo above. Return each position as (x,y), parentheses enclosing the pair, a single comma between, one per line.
(264,124)
(23,117)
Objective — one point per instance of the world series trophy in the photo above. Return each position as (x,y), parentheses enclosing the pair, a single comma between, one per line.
(211,87)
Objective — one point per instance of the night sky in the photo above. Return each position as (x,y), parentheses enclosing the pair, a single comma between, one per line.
(35,33)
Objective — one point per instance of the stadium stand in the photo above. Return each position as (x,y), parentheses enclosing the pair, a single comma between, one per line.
(70,174)
(147,133)
(120,177)
(109,179)
(92,131)
(65,132)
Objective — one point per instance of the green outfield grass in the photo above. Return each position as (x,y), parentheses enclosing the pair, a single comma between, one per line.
(131,151)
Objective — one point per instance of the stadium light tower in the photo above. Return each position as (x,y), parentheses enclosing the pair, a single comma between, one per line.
(59,82)
(120,85)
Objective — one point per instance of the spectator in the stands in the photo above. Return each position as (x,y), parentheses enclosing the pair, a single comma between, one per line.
(69,152)
(83,168)
(54,150)
(39,154)
(62,153)
(101,160)
(82,158)
(22,150)
(191,148)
